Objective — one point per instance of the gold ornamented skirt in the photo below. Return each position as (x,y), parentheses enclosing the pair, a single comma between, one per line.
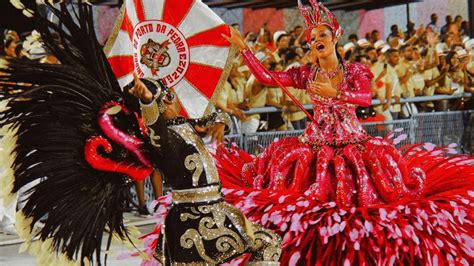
(202,229)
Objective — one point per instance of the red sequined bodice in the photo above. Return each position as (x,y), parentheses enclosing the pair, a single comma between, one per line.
(336,121)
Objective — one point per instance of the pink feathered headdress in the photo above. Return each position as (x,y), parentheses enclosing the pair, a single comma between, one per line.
(317,14)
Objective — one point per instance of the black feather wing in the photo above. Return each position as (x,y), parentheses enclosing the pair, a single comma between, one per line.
(52,111)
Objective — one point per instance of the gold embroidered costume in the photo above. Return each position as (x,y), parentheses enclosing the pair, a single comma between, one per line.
(201,228)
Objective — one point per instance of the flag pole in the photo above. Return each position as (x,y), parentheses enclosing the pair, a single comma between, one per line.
(287,92)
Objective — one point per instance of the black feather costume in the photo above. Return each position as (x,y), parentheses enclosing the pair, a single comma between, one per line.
(52,111)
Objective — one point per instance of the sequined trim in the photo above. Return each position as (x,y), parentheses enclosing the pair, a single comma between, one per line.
(227,242)
(150,113)
(115,31)
(223,118)
(159,252)
(224,76)
(204,194)
(153,137)
(154,82)
(193,162)
(266,247)
(191,138)
(335,143)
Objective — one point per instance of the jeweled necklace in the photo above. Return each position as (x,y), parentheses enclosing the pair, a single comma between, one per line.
(331,74)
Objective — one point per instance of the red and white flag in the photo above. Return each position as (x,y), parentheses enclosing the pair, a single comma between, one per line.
(177,41)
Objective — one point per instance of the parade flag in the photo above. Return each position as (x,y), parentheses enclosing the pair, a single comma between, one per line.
(177,41)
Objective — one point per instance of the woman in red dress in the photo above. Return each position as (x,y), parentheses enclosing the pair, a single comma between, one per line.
(338,195)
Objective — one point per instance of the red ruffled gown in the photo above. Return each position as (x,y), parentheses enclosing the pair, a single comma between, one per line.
(339,196)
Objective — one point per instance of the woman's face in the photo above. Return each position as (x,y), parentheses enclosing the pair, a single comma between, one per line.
(284,42)
(394,42)
(453,35)
(322,43)
(454,61)
(372,55)
(416,54)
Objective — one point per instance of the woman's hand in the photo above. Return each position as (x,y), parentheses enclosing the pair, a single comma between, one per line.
(323,88)
(217,132)
(289,107)
(239,114)
(236,39)
(140,91)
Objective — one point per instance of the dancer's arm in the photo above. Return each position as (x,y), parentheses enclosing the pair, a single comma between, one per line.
(292,78)
(295,77)
(148,94)
(360,92)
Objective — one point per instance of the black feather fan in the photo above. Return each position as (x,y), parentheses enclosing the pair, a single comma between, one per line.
(55,110)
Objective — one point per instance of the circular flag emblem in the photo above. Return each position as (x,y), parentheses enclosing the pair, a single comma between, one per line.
(179,42)
(161,51)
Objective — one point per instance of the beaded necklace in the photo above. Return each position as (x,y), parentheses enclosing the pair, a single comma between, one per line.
(176,121)
(316,69)
(330,74)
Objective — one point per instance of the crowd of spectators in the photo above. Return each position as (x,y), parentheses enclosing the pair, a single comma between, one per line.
(423,61)
(434,60)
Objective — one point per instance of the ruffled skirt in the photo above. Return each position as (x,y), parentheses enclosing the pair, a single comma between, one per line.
(360,203)
(360,174)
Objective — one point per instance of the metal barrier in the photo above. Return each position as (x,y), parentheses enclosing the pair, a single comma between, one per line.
(416,99)
(445,128)
(255,143)
(381,129)
(439,128)
(234,139)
